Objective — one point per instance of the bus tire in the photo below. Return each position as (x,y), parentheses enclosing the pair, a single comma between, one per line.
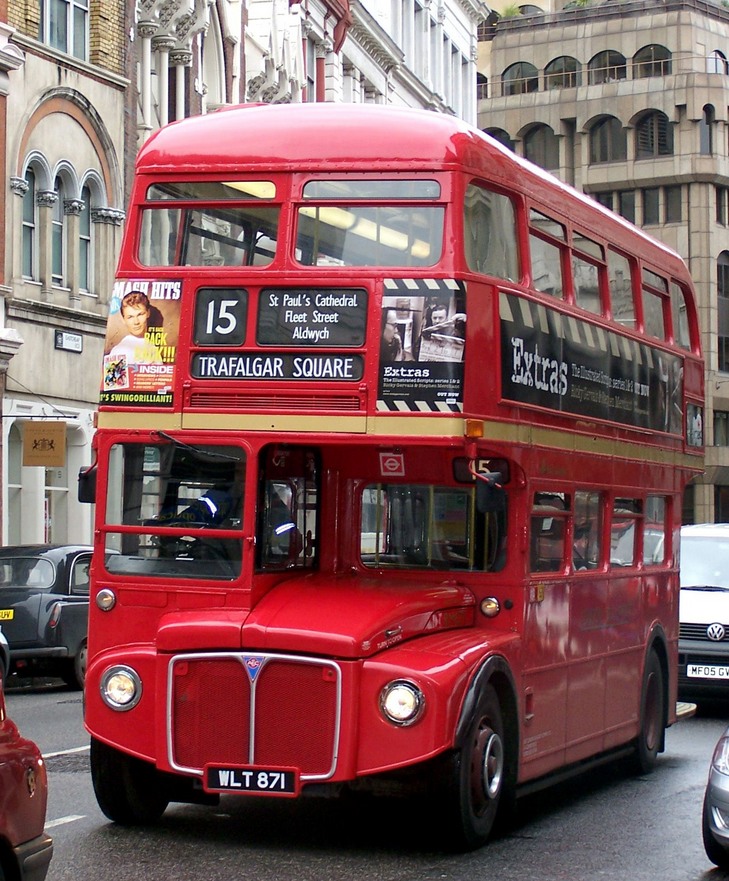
(652,716)
(478,777)
(128,790)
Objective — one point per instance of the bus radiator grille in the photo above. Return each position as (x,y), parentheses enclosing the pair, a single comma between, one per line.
(286,715)
(255,402)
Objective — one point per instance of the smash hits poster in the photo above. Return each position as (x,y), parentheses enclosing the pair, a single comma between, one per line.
(141,343)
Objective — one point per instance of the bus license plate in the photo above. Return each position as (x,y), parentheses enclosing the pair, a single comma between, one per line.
(251,780)
(707,671)
(7,614)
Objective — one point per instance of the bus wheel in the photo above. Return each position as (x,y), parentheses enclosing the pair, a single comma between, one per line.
(478,777)
(652,716)
(127,789)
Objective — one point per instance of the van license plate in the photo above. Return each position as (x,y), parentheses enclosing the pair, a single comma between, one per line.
(7,614)
(707,671)
(251,780)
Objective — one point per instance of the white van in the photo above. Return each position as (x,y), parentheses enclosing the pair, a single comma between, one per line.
(703,648)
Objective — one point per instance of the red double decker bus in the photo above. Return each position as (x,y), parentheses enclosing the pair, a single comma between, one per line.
(393,434)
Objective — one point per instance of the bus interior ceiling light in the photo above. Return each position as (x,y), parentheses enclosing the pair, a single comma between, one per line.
(402,702)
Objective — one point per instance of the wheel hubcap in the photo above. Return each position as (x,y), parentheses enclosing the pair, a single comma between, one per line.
(487,767)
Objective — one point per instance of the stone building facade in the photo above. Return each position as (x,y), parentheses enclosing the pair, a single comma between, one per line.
(63,194)
(628,102)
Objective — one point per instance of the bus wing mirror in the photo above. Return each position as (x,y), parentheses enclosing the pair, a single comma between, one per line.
(490,495)
(87,485)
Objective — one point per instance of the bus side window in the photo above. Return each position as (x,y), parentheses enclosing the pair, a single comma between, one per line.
(625,527)
(587,529)
(489,233)
(621,289)
(548,532)
(654,531)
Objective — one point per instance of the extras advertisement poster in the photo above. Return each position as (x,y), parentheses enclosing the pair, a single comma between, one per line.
(141,343)
(422,345)
(561,362)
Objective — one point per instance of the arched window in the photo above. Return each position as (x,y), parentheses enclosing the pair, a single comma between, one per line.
(541,146)
(706,131)
(482,86)
(85,243)
(58,234)
(30,227)
(651,60)
(519,79)
(606,67)
(717,63)
(608,141)
(653,136)
(562,73)
(498,134)
(722,289)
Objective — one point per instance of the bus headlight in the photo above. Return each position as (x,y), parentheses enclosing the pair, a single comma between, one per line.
(402,702)
(121,688)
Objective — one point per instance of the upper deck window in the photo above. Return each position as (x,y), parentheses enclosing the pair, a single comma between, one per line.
(621,289)
(489,233)
(586,272)
(546,253)
(194,234)
(348,234)
(679,312)
(212,191)
(349,190)
(655,290)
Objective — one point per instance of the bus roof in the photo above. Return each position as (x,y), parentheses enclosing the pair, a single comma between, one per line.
(338,137)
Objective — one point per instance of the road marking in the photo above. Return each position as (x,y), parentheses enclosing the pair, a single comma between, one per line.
(67,752)
(71,818)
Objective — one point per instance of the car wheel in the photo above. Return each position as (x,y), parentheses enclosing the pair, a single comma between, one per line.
(128,790)
(652,716)
(714,851)
(478,779)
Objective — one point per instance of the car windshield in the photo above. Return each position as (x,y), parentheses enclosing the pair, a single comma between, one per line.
(704,561)
(31,572)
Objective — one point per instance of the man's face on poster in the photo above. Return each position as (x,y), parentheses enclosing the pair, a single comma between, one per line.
(136,318)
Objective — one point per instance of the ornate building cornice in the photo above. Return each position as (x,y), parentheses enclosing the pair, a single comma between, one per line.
(374,40)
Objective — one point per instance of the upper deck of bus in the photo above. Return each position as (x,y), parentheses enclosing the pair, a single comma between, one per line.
(328,138)
(349,160)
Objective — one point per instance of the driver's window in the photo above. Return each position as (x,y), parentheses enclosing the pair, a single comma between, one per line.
(188,498)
